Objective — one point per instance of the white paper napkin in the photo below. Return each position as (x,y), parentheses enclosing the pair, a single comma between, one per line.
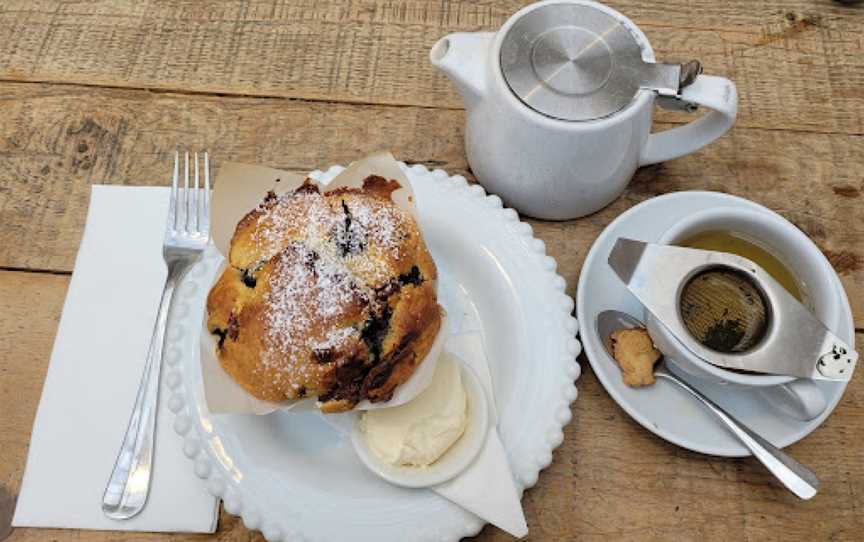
(93,375)
(485,488)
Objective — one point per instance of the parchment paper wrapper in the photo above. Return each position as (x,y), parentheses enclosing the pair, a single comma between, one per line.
(239,188)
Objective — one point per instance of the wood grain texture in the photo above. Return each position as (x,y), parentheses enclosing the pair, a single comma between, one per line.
(30,305)
(609,479)
(798,64)
(303,84)
(58,139)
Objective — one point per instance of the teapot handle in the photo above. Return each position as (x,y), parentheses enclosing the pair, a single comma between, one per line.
(716,93)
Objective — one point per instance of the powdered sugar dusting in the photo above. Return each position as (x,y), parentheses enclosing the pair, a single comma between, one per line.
(380,222)
(351,222)
(327,254)
(304,289)
(298,216)
(337,338)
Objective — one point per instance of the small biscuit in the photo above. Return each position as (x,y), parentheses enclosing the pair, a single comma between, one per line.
(635,353)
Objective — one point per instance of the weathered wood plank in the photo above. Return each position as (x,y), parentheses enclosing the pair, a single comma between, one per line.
(57,140)
(28,302)
(125,137)
(798,65)
(609,479)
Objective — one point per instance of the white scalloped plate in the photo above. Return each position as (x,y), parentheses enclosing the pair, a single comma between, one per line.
(295,478)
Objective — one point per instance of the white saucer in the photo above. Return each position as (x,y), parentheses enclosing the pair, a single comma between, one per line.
(664,409)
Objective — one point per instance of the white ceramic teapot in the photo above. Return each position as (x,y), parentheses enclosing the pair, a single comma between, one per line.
(559,105)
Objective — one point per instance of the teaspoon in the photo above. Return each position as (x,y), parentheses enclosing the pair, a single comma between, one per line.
(793,475)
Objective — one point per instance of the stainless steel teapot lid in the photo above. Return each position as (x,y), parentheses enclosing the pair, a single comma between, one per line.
(575,62)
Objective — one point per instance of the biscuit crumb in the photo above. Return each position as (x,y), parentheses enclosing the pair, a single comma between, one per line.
(635,353)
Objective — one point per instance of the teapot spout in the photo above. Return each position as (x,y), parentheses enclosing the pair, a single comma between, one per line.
(462,57)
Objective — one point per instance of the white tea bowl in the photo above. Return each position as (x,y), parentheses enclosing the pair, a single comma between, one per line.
(455,460)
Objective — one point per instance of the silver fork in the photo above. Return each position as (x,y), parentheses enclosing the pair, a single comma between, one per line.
(186,237)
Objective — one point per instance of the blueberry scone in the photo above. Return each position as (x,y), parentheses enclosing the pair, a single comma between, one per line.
(327,295)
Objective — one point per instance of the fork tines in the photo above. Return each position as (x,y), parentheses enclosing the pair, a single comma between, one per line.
(189,211)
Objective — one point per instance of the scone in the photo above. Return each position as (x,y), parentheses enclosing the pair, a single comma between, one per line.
(326,295)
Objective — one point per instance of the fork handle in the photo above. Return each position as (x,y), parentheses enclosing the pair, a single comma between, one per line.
(127,489)
(793,475)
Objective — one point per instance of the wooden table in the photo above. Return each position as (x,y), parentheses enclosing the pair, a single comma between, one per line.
(102,91)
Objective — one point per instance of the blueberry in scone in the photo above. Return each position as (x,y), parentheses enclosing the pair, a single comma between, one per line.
(325,295)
